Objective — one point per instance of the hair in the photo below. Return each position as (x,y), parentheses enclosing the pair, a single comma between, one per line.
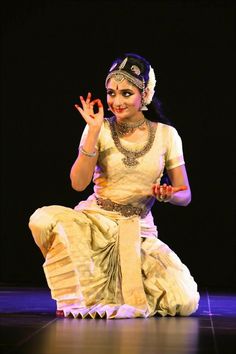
(154,112)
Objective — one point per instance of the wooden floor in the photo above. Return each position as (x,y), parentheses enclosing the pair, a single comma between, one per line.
(29,326)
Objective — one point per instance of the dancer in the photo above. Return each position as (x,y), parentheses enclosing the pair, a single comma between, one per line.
(104,257)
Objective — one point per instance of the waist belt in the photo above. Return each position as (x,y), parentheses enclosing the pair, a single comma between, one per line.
(123,209)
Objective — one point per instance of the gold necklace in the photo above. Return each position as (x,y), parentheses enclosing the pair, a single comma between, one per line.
(131,157)
(128,128)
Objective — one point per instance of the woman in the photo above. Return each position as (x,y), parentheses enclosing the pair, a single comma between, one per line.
(103,258)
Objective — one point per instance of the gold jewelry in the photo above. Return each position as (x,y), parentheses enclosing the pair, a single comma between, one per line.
(124,209)
(88,154)
(143,107)
(120,75)
(130,158)
(128,128)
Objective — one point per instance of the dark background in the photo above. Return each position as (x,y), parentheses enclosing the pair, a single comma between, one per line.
(52,52)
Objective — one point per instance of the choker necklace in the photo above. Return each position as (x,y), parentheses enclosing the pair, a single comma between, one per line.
(128,128)
(130,157)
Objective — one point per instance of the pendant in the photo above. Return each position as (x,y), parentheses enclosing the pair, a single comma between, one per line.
(130,161)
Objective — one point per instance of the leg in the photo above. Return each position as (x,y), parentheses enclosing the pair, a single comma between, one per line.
(172,289)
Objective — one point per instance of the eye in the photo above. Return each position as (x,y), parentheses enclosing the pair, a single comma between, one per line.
(110,93)
(127,93)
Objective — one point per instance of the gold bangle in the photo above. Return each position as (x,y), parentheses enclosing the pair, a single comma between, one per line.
(89,154)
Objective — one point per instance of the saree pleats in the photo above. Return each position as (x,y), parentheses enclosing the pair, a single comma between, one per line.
(97,265)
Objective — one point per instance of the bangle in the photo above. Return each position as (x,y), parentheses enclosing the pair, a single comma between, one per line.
(89,154)
(165,200)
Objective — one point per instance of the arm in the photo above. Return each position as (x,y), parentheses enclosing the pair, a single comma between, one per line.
(178,177)
(82,170)
(179,192)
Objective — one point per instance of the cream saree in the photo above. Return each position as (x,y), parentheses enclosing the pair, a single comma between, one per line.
(99,263)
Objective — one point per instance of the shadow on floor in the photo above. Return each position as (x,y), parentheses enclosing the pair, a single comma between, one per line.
(29,326)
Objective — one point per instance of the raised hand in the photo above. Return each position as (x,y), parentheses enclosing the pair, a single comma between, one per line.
(164,192)
(94,120)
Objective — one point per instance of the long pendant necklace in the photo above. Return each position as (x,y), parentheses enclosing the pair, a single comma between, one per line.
(130,158)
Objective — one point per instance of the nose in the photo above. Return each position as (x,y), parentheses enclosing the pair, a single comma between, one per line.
(118,101)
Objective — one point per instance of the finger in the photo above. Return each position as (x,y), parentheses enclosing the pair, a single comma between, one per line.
(92,103)
(90,106)
(154,188)
(100,107)
(180,188)
(96,101)
(86,117)
(88,97)
(157,189)
(160,190)
(77,106)
(169,191)
(86,106)
(164,190)
(83,102)
(99,104)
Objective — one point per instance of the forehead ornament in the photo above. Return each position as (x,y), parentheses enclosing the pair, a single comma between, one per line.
(118,77)
(121,74)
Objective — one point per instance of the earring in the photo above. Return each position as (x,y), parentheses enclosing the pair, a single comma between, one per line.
(143,106)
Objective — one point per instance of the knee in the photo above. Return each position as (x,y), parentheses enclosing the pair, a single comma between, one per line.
(41,219)
(41,224)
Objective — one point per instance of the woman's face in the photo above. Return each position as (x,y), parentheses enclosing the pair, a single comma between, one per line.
(123,98)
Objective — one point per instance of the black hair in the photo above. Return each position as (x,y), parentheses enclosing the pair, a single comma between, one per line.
(154,112)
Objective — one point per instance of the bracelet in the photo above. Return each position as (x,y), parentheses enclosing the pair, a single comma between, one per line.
(89,154)
(165,200)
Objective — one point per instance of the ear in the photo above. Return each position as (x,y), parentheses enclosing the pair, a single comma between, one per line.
(145,92)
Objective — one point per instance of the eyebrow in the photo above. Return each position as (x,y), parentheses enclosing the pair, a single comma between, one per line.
(128,89)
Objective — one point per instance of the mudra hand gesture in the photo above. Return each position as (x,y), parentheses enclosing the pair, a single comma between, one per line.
(94,120)
(164,192)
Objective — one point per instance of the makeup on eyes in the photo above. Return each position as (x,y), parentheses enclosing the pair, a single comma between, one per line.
(125,93)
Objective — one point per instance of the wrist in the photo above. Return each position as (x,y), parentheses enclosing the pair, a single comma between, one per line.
(164,199)
(86,152)
(94,132)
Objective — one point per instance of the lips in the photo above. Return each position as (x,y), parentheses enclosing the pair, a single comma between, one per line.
(119,110)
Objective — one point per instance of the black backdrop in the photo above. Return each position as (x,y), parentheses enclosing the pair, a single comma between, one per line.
(53,52)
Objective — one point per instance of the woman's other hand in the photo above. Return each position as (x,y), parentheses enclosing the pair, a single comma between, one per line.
(164,192)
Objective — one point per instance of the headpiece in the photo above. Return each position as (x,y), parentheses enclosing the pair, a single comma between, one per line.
(132,73)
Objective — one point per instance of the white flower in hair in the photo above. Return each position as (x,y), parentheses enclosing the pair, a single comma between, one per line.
(150,86)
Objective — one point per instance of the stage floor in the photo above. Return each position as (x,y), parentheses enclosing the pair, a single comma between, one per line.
(29,326)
